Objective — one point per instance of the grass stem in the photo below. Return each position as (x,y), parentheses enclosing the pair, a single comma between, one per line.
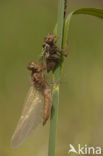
(56,77)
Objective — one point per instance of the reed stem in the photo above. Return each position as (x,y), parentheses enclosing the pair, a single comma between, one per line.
(56,77)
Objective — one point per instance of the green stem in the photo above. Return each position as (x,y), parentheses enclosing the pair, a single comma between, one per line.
(56,77)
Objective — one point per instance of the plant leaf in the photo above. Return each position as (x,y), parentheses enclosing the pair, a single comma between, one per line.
(90,11)
(87,11)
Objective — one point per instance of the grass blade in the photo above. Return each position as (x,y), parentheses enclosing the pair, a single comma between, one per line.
(87,11)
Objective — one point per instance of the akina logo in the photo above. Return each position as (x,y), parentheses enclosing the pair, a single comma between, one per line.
(84,150)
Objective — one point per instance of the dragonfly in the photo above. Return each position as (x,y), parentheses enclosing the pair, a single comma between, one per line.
(37,106)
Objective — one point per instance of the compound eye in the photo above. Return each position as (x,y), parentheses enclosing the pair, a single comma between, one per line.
(31,66)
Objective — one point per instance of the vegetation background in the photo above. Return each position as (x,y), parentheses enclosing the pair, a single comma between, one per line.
(22,29)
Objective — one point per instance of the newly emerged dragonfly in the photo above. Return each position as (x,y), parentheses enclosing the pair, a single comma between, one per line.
(34,111)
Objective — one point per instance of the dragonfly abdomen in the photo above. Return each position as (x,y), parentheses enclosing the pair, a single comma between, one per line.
(47,105)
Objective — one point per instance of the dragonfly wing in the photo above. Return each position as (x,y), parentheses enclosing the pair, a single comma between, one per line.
(31,117)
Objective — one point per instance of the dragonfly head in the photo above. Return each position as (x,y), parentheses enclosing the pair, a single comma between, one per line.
(34,67)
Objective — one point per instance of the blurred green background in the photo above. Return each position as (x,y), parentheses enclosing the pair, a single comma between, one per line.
(23,25)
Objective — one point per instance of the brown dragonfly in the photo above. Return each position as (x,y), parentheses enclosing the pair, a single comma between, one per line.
(34,111)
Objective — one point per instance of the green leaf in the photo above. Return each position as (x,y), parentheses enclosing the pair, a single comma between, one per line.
(90,11)
(87,11)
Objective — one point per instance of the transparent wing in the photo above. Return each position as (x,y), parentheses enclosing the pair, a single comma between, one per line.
(31,117)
